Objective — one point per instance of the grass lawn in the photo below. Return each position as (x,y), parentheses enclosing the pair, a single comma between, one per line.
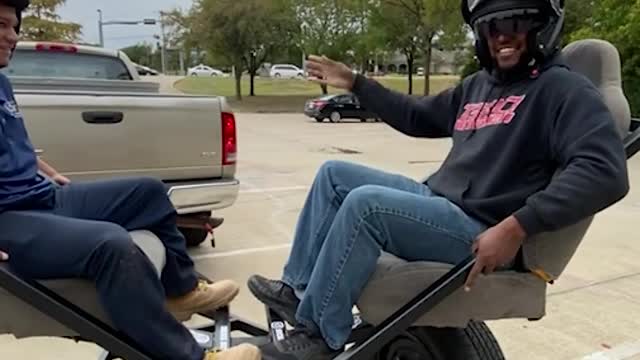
(289,95)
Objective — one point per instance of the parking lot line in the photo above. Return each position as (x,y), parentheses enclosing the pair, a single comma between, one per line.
(241,252)
(620,352)
(274,189)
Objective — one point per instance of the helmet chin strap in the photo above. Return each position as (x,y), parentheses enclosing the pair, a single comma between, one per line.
(525,66)
(520,70)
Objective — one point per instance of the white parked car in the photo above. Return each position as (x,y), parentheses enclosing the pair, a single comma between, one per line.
(286,71)
(204,70)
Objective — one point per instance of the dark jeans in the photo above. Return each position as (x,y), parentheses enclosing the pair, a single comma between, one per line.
(86,235)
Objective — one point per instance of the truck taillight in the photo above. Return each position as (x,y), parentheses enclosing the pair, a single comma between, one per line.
(229,139)
(53,47)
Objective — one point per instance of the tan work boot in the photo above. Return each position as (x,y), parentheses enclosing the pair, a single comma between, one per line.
(240,352)
(205,297)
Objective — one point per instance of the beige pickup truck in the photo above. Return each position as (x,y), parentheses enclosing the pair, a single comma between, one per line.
(91,116)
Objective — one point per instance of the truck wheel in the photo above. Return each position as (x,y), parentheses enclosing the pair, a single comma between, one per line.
(194,237)
(319,119)
(476,342)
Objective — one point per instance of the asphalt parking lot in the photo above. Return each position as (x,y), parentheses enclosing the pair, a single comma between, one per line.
(590,311)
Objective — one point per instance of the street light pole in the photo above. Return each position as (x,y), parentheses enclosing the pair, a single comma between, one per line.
(102,23)
(100,28)
(163,41)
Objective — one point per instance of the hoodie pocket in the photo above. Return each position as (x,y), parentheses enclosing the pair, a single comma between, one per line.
(452,186)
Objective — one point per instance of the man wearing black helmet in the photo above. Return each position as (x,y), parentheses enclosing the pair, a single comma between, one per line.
(56,229)
(516,123)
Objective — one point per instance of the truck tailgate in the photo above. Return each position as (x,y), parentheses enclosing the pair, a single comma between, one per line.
(166,136)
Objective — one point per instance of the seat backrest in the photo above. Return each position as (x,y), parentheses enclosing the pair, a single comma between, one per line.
(599,61)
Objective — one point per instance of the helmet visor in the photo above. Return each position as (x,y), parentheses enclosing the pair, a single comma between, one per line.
(509,26)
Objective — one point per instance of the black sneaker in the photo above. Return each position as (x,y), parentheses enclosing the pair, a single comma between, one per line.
(300,344)
(276,295)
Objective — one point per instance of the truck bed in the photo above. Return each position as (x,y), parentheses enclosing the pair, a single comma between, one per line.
(91,117)
(98,134)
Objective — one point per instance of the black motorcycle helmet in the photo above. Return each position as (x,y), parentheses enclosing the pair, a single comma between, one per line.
(20,6)
(542,19)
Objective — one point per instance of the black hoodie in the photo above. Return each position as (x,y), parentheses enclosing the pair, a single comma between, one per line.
(510,138)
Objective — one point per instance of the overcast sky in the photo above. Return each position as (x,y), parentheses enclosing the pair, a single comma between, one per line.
(85,13)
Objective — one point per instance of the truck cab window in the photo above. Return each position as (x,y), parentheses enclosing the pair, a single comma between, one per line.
(66,65)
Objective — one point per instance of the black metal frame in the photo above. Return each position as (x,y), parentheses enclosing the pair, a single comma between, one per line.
(69,315)
(408,314)
(92,329)
(632,141)
(367,340)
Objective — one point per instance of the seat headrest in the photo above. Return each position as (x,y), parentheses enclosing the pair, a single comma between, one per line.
(599,61)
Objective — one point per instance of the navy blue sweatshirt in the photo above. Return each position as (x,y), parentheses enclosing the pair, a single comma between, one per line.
(509,139)
(21,186)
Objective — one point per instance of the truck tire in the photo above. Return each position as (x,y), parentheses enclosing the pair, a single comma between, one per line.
(475,342)
(194,237)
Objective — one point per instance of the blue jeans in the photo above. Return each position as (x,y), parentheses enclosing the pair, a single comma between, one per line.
(351,214)
(84,233)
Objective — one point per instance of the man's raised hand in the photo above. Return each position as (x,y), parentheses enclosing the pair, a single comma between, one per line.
(328,72)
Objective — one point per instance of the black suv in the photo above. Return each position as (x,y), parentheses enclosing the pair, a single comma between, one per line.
(336,108)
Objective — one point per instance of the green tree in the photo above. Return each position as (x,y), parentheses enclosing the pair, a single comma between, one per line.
(223,26)
(325,27)
(471,64)
(243,33)
(42,23)
(442,28)
(142,54)
(398,32)
(618,21)
(418,26)
(274,24)
(181,35)
(578,14)
(362,40)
